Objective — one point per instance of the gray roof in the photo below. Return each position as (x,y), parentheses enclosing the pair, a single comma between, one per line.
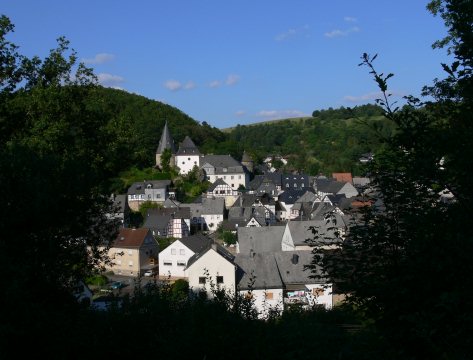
(187,147)
(171,203)
(301,231)
(120,202)
(166,141)
(308,197)
(260,239)
(290,196)
(157,222)
(295,181)
(223,164)
(218,182)
(139,187)
(291,265)
(328,186)
(177,213)
(213,206)
(257,271)
(197,242)
(218,248)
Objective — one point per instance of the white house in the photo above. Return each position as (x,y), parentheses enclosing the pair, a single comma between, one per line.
(226,168)
(212,212)
(173,259)
(187,156)
(213,268)
(151,190)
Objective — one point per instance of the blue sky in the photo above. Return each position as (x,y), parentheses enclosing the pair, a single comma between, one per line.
(231,62)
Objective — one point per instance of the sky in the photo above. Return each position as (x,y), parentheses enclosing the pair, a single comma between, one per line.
(229,62)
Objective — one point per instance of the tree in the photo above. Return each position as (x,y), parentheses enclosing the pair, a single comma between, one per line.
(406,262)
(52,168)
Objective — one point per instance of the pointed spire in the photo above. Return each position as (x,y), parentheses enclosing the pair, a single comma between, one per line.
(166,141)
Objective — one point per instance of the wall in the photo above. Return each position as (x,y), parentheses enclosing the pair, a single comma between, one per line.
(174,253)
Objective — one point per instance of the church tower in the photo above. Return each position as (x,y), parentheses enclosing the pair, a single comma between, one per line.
(166,142)
(247,162)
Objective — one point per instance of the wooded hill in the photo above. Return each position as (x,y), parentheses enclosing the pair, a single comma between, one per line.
(330,141)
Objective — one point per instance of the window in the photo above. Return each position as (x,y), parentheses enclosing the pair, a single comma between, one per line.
(224,177)
(287,185)
(239,176)
(231,177)
(219,279)
(317,292)
(189,159)
(173,251)
(181,263)
(130,263)
(182,251)
(248,296)
(130,252)
(295,185)
(167,263)
(149,197)
(202,280)
(269,296)
(233,185)
(158,196)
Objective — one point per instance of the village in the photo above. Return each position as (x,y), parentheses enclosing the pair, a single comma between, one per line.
(273,216)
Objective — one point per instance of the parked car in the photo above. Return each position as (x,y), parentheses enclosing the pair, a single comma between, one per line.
(116,285)
(149,273)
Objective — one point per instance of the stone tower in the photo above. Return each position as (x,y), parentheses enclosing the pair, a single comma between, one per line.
(247,162)
(166,142)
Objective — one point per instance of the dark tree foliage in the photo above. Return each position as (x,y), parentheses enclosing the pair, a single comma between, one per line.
(406,262)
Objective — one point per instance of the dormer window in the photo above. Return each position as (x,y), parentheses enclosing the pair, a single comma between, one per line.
(149,186)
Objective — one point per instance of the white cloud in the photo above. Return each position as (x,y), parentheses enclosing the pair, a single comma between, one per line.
(292,32)
(338,32)
(173,85)
(280,114)
(215,83)
(189,85)
(240,113)
(350,19)
(232,79)
(110,80)
(99,59)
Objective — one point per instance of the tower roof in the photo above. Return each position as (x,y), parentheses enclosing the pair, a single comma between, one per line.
(188,147)
(166,141)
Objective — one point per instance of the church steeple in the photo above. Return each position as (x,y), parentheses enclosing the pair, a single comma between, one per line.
(166,142)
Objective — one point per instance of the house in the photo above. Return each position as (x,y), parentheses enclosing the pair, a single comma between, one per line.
(165,143)
(287,200)
(187,156)
(211,269)
(247,206)
(258,279)
(120,209)
(299,286)
(173,259)
(221,189)
(224,167)
(212,213)
(169,222)
(133,252)
(152,190)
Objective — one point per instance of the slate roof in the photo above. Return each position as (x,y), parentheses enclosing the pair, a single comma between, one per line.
(223,164)
(290,196)
(166,141)
(259,269)
(260,239)
(328,186)
(218,182)
(187,147)
(157,222)
(295,181)
(218,248)
(120,202)
(291,266)
(213,206)
(197,242)
(130,238)
(139,187)
(177,213)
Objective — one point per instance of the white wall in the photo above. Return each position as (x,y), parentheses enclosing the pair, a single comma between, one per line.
(234,180)
(287,243)
(264,300)
(213,220)
(321,297)
(215,265)
(186,163)
(174,253)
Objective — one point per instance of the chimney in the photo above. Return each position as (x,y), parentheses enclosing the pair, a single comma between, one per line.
(295,259)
